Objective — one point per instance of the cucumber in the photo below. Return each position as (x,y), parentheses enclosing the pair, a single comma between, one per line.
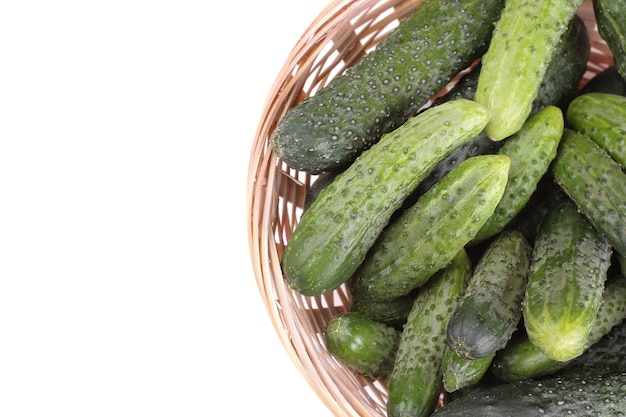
(595,182)
(566,280)
(531,150)
(459,372)
(390,312)
(322,181)
(588,393)
(416,378)
(328,130)
(611,20)
(491,307)
(335,233)
(521,360)
(363,345)
(601,117)
(607,81)
(524,41)
(427,236)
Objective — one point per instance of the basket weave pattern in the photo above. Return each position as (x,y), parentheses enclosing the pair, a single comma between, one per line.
(338,38)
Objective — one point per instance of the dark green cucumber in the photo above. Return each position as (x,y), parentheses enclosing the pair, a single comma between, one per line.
(491,307)
(607,81)
(390,312)
(521,360)
(531,150)
(322,181)
(602,117)
(328,130)
(587,393)
(427,236)
(524,42)
(459,372)
(611,20)
(566,280)
(363,345)
(416,378)
(335,233)
(595,182)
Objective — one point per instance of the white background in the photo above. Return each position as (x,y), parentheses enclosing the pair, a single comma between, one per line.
(125,280)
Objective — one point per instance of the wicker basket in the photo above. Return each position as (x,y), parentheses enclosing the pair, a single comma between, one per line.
(339,37)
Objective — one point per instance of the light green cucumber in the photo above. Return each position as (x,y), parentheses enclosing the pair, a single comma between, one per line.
(459,372)
(334,234)
(491,306)
(531,150)
(602,117)
(566,280)
(363,345)
(611,20)
(430,47)
(428,235)
(523,44)
(595,182)
(416,378)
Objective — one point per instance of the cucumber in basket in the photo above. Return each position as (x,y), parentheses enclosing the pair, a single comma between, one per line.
(458,372)
(328,130)
(334,234)
(568,269)
(429,234)
(524,41)
(611,19)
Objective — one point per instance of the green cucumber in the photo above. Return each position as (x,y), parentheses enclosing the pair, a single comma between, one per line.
(459,372)
(566,280)
(334,234)
(611,20)
(595,182)
(491,307)
(531,150)
(524,42)
(521,360)
(606,81)
(322,181)
(328,130)
(390,312)
(427,236)
(363,345)
(416,378)
(602,117)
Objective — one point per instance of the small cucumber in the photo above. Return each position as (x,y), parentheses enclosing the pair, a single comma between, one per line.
(427,236)
(523,43)
(521,360)
(595,182)
(334,234)
(566,280)
(607,81)
(416,378)
(328,130)
(363,345)
(531,150)
(611,20)
(491,307)
(459,372)
(602,117)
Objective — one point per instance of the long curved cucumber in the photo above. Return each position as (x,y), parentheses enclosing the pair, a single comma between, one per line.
(427,236)
(595,182)
(568,269)
(328,130)
(334,234)
(416,378)
(611,20)
(602,117)
(523,43)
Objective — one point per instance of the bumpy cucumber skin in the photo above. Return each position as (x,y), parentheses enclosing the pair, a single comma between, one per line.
(589,393)
(363,345)
(611,20)
(328,130)
(427,236)
(521,360)
(491,307)
(602,117)
(459,373)
(595,182)
(523,43)
(531,150)
(392,312)
(416,378)
(607,81)
(334,234)
(566,280)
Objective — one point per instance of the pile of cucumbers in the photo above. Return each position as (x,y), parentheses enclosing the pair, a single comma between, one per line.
(481,232)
